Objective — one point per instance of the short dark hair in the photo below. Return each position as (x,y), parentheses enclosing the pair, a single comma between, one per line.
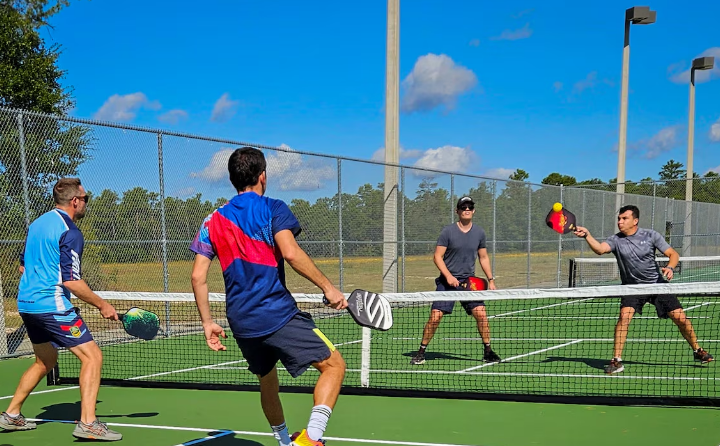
(630,207)
(245,165)
(65,190)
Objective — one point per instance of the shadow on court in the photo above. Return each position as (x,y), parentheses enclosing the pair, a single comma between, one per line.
(601,363)
(71,412)
(431,356)
(226,440)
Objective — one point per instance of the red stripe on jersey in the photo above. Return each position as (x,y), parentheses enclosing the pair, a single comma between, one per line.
(231,244)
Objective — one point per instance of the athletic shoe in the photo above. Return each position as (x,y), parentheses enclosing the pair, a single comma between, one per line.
(17,423)
(418,359)
(702,356)
(615,366)
(96,431)
(491,356)
(302,439)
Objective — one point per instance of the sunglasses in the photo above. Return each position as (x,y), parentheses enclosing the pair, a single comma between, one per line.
(84,198)
(466,208)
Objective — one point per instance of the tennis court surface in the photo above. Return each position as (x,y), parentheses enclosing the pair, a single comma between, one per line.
(554,344)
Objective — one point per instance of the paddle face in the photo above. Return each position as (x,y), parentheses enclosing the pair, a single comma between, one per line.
(370,310)
(562,222)
(141,323)
(474,284)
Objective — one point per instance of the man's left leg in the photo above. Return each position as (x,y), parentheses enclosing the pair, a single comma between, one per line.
(477,310)
(680,319)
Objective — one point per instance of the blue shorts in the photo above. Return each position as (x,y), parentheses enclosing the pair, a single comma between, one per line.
(446,306)
(61,329)
(297,345)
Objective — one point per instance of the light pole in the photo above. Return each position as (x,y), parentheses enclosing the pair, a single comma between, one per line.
(701,63)
(392,153)
(638,15)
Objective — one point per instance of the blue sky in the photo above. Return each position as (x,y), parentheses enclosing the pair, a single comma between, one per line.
(487,87)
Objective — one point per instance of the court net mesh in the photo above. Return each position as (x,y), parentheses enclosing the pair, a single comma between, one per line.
(553,343)
(594,271)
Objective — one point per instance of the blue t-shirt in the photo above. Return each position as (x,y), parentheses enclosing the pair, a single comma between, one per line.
(52,254)
(242,236)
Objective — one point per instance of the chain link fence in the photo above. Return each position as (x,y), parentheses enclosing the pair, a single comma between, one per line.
(151,189)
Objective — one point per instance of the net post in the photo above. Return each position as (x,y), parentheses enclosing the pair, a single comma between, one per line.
(365,358)
(3,335)
(53,378)
(571,274)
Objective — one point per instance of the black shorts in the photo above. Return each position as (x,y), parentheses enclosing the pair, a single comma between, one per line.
(297,345)
(61,329)
(446,306)
(664,303)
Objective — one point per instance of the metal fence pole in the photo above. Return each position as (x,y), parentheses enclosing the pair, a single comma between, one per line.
(23,170)
(529,234)
(402,226)
(494,225)
(652,221)
(163,225)
(3,335)
(559,257)
(340,226)
(582,245)
(452,196)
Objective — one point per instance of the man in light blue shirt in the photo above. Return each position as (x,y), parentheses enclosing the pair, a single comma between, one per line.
(51,271)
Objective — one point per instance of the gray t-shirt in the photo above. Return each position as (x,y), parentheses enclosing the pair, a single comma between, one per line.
(635,255)
(462,249)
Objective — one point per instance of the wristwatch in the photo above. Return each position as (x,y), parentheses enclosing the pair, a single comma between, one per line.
(491,278)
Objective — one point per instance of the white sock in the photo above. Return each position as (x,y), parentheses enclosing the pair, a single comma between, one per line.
(281,434)
(318,422)
(12,415)
(618,359)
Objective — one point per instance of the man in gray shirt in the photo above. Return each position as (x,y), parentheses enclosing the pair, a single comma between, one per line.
(634,249)
(457,248)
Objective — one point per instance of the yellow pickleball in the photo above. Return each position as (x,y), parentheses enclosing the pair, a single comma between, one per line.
(557,207)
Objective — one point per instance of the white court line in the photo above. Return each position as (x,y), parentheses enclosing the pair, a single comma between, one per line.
(540,308)
(698,306)
(259,434)
(594,317)
(521,356)
(187,370)
(555,339)
(42,391)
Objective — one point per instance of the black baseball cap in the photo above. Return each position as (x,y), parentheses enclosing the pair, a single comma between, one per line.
(465,200)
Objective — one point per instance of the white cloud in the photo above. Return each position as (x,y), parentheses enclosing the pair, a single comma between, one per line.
(683,77)
(663,141)
(714,169)
(293,172)
(224,109)
(518,34)
(379,154)
(589,82)
(475,42)
(217,168)
(557,86)
(446,158)
(186,192)
(500,173)
(124,107)
(173,116)
(715,132)
(435,80)
(522,13)
(286,170)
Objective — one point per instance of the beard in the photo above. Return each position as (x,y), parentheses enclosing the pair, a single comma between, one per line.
(79,214)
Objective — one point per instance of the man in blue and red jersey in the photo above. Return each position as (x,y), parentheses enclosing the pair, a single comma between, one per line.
(50,267)
(252,236)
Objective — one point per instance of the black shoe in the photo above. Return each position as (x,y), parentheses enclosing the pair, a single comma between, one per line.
(702,356)
(615,366)
(491,356)
(418,359)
